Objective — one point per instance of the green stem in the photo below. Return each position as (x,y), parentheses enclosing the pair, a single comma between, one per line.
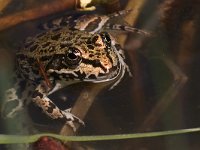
(11,139)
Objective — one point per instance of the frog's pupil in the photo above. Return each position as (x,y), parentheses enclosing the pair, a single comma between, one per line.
(72,56)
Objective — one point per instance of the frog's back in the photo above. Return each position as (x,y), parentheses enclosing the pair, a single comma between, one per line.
(51,42)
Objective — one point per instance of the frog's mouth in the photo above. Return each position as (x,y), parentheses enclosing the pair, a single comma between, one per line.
(94,74)
(115,74)
(108,75)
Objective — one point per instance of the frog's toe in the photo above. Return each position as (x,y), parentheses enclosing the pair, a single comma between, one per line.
(68,110)
(78,120)
(70,119)
(71,124)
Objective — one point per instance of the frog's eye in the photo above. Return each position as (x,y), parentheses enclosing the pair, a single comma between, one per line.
(73,56)
(106,38)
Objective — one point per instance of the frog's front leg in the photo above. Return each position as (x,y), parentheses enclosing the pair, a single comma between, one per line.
(40,98)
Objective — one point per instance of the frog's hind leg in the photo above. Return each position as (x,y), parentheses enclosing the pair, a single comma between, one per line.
(119,13)
(126,28)
(57,23)
(82,22)
(40,98)
(121,27)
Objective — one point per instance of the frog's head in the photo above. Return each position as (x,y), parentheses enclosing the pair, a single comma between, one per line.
(94,59)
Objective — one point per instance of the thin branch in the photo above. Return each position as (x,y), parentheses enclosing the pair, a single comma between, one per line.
(3,4)
(34,13)
(131,18)
(161,106)
(83,103)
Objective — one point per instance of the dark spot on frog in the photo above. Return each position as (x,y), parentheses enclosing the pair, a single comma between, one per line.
(94,39)
(92,76)
(51,49)
(51,107)
(37,93)
(98,54)
(84,37)
(81,75)
(55,37)
(97,50)
(90,46)
(40,35)
(45,58)
(97,62)
(46,44)
(94,63)
(43,52)
(68,38)
(32,48)
(89,41)
(55,62)
(63,45)
(28,44)
(56,29)
(91,55)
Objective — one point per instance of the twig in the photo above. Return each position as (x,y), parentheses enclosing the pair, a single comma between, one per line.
(43,73)
(82,105)
(34,13)
(179,81)
(112,6)
(131,18)
(3,4)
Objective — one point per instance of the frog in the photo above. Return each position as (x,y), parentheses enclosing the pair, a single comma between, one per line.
(68,50)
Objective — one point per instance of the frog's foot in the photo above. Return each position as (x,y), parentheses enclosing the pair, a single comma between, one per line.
(12,105)
(47,105)
(70,119)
